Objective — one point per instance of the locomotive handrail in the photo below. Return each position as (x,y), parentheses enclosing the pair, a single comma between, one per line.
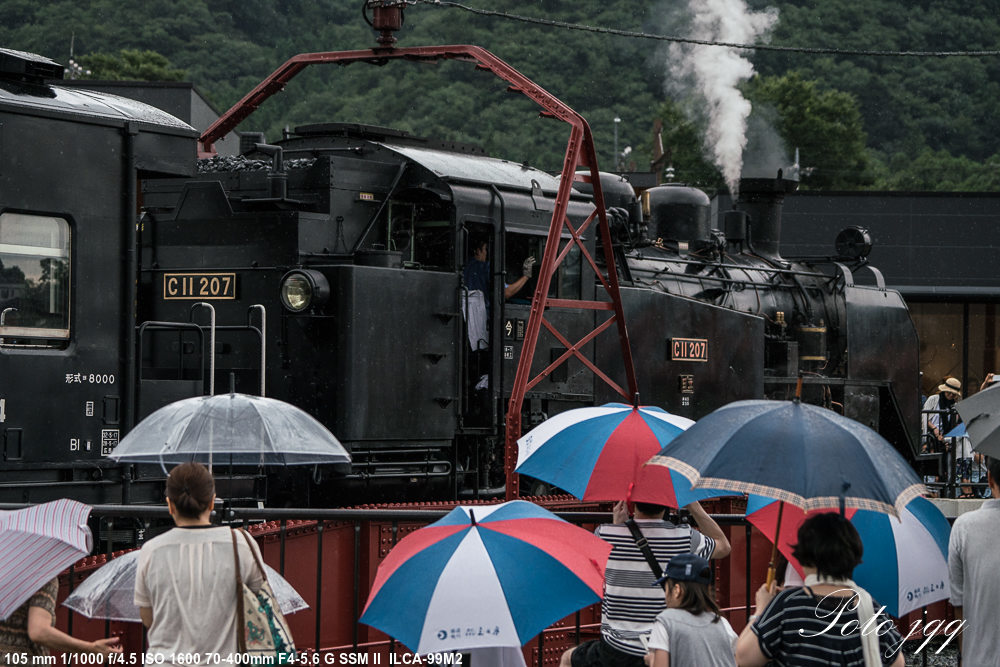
(211,344)
(580,152)
(848,275)
(153,324)
(263,340)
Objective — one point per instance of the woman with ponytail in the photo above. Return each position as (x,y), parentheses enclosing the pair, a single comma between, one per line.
(185,583)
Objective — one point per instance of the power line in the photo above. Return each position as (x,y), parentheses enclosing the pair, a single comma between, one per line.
(703,42)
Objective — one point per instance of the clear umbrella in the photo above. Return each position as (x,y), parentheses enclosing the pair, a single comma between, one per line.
(236,429)
(108,592)
(36,544)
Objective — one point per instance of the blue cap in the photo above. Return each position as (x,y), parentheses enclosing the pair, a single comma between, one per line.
(687,567)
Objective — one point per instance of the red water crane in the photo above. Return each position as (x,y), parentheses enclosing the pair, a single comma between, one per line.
(387,18)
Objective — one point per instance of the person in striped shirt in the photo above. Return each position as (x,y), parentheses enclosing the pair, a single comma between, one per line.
(828,622)
(632,599)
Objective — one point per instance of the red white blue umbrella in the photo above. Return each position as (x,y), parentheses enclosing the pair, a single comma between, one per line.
(36,544)
(598,453)
(485,576)
(905,562)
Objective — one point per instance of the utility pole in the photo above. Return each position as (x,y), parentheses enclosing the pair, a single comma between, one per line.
(615,162)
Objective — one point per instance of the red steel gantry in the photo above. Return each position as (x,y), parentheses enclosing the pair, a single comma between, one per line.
(387,18)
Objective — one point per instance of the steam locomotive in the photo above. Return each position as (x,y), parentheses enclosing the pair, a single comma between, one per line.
(326,270)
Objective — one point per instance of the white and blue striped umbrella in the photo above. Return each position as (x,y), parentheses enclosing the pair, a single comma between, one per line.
(36,544)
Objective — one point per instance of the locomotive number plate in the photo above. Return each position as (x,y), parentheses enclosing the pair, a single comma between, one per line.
(688,349)
(199,286)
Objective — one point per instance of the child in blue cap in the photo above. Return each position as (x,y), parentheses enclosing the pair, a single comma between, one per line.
(690,631)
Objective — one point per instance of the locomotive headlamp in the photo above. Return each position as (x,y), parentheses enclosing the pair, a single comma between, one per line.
(304,288)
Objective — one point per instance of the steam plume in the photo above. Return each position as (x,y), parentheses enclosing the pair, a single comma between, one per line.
(712,74)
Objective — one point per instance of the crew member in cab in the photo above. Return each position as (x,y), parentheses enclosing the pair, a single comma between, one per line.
(476,278)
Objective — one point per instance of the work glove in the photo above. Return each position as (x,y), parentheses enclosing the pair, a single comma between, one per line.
(528,267)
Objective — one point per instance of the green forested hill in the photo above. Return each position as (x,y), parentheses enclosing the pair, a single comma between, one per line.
(860,121)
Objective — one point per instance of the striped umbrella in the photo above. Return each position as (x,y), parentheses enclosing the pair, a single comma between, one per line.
(38,543)
(598,453)
(485,576)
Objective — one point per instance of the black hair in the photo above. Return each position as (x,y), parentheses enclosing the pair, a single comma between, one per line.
(190,488)
(696,597)
(993,466)
(650,509)
(830,543)
(477,241)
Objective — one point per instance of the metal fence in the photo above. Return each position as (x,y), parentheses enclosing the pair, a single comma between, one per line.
(949,468)
(331,556)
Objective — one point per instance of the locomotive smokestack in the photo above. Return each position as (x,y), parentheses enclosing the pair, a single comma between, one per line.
(762,199)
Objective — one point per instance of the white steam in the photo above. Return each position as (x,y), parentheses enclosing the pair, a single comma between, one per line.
(712,74)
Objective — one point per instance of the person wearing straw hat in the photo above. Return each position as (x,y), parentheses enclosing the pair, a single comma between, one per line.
(936,419)
(828,621)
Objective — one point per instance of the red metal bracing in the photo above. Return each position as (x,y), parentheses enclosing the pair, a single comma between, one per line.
(579,153)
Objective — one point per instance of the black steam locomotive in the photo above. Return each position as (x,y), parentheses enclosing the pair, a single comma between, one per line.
(327,270)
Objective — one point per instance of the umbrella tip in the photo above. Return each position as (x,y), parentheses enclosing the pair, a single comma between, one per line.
(635,400)
(798,389)
(472,516)
(232,383)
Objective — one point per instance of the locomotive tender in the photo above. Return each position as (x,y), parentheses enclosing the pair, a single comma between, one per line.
(326,270)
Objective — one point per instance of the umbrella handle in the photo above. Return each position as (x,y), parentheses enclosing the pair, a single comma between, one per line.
(772,569)
(772,572)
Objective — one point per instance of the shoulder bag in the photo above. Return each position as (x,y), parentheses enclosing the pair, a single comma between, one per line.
(262,629)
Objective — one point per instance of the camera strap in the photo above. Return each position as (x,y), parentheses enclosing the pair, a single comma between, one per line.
(643,544)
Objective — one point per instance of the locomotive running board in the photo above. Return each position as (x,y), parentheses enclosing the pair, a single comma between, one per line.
(579,153)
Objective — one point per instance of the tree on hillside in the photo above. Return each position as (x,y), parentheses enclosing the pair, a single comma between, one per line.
(130,65)
(825,125)
(939,171)
(684,150)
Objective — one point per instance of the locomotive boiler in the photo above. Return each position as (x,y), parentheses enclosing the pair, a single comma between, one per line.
(326,270)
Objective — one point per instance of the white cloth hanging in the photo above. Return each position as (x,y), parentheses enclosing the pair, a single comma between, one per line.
(474,311)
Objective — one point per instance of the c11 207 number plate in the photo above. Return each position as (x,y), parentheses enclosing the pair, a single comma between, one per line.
(688,349)
(199,286)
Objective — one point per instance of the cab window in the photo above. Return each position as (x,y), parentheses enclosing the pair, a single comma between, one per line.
(34,279)
(565,284)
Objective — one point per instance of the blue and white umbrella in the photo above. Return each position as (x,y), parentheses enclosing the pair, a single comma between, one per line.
(905,562)
(598,453)
(485,576)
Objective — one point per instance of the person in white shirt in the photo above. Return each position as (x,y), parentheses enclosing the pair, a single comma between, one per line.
(185,582)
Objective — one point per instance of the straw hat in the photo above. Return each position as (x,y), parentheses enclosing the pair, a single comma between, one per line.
(951,385)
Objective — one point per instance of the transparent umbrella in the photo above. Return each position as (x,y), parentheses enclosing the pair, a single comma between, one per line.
(108,592)
(237,429)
